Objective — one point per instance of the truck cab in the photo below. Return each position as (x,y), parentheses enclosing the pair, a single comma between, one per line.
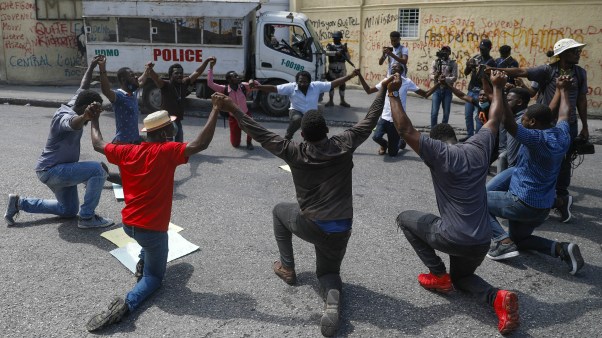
(132,32)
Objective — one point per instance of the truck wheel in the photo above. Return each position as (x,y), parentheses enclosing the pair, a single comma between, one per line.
(151,99)
(274,104)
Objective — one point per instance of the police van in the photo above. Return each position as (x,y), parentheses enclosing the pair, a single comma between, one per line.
(270,47)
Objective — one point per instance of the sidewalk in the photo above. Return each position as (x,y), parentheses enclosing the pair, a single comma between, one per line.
(418,108)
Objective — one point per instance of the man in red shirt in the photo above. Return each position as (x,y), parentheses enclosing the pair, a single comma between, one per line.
(148,177)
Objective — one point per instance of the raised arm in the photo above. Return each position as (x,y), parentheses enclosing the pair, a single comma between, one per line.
(460,94)
(192,78)
(90,111)
(402,122)
(513,72)
(563,83)
(367,88)
(150,71)
(85,83)
(265,88)
(97,141)
(105,85)
(429,92)
(203,139)
(344,79)
(499,108)
(214,86)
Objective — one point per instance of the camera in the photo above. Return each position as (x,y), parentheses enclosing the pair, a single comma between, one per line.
(441,54)
(581,146)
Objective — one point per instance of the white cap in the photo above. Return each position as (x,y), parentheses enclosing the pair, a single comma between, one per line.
(565,44)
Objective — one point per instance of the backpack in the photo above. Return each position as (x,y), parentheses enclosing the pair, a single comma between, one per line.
(225,114)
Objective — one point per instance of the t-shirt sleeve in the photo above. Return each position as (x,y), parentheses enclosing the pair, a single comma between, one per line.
(113,153)
(539,74)
(412,87)
(65,121)
(379,85)
(286,89)
(405,51)
(432,151)
(177,153)
(323,86)
(528,137)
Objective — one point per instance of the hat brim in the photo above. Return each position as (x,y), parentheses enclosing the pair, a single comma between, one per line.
(171,119)
(577,45)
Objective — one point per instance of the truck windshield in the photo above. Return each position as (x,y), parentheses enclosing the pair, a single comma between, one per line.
(314,35)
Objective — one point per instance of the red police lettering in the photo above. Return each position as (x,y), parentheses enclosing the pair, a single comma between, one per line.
(188,55)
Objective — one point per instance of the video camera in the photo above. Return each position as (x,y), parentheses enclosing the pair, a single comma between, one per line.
(581,146)
(441,54)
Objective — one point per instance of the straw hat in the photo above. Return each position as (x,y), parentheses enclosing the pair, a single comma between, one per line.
(157,120)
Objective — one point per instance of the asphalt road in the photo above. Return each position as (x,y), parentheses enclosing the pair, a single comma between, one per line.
(54,276)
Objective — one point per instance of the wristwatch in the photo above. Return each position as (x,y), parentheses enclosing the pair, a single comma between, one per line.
(394,93)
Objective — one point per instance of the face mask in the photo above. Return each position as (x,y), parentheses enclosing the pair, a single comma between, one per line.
(132,87)
(484,105)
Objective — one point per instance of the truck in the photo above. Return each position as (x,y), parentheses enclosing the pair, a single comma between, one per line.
(270,47)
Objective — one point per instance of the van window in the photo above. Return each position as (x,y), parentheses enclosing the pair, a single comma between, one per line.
(190,30)
(218,31)
(289,39)
(134,30)
(101,29)
(165,30)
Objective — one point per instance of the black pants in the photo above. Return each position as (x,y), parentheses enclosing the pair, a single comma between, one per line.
(294,123)
(422,231)
(330,248)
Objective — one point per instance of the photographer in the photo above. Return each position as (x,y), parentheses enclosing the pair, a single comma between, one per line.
(444,71)
(398,53)
(474,86)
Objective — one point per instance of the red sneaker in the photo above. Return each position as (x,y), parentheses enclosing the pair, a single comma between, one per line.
(506,308)
(432,282)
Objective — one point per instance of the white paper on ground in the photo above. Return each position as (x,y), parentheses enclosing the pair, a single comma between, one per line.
(118,191)
(121,239)
(285,168)
(178,247)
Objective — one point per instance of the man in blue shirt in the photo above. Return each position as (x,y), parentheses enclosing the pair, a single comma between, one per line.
(304,95)
(532,193)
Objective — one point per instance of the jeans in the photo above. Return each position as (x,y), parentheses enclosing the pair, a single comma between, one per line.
(564,176)
(424,234)
(441,96)
(154,253)
(294,124)
(500,182)
(469,112)
(330,247)
(523,220)
(179,137)
(63,179)
(394,140)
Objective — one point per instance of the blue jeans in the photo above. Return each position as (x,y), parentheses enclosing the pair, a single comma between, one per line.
(63,179)
(522,219)
(469,112)
(179,137)
(386,127)
(154,253)
(500,182)
(441,96)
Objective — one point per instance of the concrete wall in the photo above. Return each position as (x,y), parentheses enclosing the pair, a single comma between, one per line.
(38,51)
(530,27)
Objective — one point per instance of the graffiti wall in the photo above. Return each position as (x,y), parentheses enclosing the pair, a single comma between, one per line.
(530,30)
(39,51)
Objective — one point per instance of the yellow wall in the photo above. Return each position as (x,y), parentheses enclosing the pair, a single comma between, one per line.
(531,28)
(38,52)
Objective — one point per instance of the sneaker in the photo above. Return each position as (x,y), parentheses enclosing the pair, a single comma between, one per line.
(506,309)
(250,146)
(565,209)
(402,144)
(139,270)
(288,275)
(345,104)
(382,150)
(117,309)
(329,104)
(94,222)
(501,251)
(571,255)
(329,323)
(12,209)
(432,282)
